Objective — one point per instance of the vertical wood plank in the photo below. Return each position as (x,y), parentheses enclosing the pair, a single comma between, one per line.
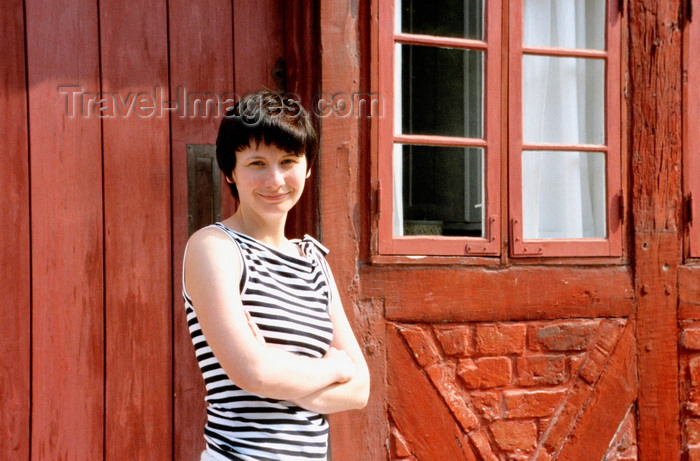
(655,82)
(15,269)
(66,232)
(138,343)
(258,43)
(201,64)
(340,172)
(301,56)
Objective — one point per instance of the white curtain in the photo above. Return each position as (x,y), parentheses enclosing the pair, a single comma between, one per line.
(563,103)
(397,158)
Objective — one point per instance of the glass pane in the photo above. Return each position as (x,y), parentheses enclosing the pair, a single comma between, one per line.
(446,18)
(564,23)
(563,195)
(438,190)
(441,91)
(563,100)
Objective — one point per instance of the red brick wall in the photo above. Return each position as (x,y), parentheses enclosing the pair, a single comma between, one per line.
(690,388)
(527,390)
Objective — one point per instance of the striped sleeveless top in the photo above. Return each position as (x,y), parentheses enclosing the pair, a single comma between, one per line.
(289,299)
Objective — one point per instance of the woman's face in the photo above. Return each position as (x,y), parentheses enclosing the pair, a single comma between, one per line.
(269,180)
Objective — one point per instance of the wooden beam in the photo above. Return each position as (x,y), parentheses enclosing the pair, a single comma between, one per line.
(340,178)
(515,293)
(655,87)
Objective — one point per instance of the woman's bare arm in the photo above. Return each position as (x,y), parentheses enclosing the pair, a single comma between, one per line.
(353,393)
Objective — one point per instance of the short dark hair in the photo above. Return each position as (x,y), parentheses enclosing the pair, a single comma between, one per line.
(265,117)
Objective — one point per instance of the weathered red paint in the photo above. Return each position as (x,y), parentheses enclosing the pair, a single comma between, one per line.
(66,234)
(204,34)
(549,359)
(138,262)
(655,86)
(15,269)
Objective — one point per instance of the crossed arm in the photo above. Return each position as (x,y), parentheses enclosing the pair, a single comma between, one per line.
(336,382)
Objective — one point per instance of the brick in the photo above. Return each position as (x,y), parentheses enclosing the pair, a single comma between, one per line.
(514,435)
(518,457)
(694,371)
(424,348)
(692,431)
(542,455)
(575,362)
(481,442)
(443,378)
(692,403)
(694,453)
(541,370)
(563,336)
(488,404)
(624,444)
(485,373)
(455,340)
(564,421)
(500,339)
(601,351)
(532,404)
(690,338)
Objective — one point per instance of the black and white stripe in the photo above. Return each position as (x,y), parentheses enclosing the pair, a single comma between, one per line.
(288,298)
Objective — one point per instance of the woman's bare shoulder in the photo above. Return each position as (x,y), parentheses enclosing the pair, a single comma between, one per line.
(211,244)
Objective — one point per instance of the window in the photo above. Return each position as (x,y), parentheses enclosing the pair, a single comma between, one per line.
(456,117)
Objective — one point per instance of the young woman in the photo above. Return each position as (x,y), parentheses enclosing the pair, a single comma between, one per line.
(275,348)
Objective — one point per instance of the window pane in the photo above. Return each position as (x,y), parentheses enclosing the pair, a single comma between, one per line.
(563,195)
(438,190)
(563,100)
(441,91)
(564,23)
(446,18)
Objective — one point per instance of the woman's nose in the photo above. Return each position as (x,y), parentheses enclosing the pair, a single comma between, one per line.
(274,177)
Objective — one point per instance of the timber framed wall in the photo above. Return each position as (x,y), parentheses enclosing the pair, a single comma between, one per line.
(438,315)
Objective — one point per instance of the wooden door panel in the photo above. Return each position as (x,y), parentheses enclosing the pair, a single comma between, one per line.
(67,315)
(136,152)
(204,35)
(15,269)
(526,390)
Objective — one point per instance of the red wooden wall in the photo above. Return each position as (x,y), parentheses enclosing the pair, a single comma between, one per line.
(97,362)
(548,361)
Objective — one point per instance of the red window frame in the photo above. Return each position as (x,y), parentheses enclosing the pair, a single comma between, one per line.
(580,247)
(438,245)
(496,136)
(692,138)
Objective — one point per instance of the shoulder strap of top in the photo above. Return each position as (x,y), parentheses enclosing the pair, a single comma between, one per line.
(318,245)
(316,250)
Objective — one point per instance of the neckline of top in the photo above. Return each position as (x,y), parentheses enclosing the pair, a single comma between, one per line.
(302,255)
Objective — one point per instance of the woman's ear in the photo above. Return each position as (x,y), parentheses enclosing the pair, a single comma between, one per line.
(228,180)
(308,173)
